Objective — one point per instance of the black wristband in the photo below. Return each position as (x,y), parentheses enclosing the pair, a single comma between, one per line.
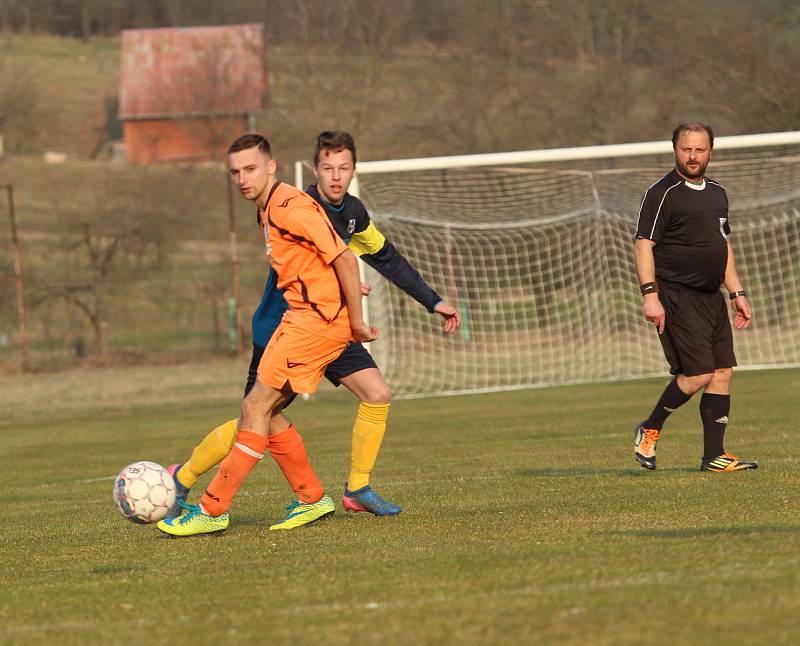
(734,295)
(648,288)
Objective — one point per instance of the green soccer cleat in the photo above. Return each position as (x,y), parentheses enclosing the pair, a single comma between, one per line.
(644,446)
(726,463)
(302,513)
(194,521)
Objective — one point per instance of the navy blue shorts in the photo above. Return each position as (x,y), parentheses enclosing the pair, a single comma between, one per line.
(353,359)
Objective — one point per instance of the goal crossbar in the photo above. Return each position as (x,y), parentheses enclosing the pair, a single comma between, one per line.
(570,154)
(641,148)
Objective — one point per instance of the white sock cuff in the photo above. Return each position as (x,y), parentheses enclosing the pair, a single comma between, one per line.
(247,450)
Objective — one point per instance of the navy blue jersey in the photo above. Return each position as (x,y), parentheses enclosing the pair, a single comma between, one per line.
(269,312)
(353,224)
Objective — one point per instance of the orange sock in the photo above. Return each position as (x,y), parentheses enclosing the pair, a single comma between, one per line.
(248,449)
(288,450)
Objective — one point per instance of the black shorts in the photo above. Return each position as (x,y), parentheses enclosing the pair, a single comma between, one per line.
(353,359)
(697,336)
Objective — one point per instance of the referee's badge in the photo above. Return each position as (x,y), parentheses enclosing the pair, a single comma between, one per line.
(351,225)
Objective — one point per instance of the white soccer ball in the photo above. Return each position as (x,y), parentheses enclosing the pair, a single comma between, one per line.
(144,492)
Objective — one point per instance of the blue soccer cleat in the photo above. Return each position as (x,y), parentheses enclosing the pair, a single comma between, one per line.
(365,499)
(181,493)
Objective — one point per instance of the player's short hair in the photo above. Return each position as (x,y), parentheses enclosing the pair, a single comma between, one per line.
(336,141)
(246,142)
(692,126)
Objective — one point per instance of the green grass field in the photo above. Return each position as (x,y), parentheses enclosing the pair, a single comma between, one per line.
(526,521)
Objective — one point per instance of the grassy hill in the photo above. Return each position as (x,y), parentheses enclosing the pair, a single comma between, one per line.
(66,83)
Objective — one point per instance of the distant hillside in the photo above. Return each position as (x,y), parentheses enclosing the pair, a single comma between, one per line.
(408,78)
(54,92)
(413,78)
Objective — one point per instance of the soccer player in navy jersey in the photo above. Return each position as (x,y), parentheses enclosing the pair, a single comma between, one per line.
(335,165)
(683,256)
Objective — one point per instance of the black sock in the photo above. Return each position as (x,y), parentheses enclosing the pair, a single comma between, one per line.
(714,411)
(671,399)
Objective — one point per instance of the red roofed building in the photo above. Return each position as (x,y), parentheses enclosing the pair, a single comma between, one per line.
(186,93)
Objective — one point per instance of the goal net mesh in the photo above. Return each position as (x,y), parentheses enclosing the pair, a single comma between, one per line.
(539,261)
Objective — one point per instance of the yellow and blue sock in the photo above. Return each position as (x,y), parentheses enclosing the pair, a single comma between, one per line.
(208,454)
(368,431)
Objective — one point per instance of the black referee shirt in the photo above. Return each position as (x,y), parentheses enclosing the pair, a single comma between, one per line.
(689,224)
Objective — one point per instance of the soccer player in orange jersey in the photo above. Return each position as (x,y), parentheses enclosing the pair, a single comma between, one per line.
(335,166)
(318,275)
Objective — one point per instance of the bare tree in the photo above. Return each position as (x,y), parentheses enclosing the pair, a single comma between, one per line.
(120,226)
(89,295)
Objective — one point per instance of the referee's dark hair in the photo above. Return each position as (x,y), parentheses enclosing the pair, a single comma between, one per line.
(692,126)
(245,142)
(336,141)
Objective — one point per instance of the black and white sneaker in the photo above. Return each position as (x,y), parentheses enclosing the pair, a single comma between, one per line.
(644,446)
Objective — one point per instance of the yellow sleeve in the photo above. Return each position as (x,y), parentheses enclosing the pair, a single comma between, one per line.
(368,241)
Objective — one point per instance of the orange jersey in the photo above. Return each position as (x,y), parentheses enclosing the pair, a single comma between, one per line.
(302,245)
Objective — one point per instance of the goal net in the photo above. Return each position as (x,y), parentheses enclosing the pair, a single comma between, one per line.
(536,251)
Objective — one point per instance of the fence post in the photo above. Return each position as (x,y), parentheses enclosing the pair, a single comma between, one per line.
(18,275)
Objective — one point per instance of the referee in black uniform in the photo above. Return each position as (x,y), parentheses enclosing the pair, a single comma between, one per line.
(683,257)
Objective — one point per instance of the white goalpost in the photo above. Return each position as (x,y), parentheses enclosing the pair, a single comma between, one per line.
(535,248)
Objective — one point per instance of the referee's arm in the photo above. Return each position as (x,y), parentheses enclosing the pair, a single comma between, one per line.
(646,271)
(741,306)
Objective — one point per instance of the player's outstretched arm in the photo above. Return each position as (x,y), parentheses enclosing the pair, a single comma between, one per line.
(392,265)
(646,271)
(743,313)
(346,267)
(380,254)
(451,316)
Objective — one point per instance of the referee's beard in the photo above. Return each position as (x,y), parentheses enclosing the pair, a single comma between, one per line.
(694,172)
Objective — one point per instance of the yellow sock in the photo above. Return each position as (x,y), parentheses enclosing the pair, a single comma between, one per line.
(367,437)
(209,453)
